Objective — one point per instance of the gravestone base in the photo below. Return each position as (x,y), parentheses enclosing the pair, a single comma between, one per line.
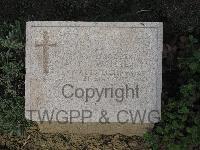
(128,129)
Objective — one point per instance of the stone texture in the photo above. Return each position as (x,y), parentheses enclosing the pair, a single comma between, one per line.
(128,129)
(94,56)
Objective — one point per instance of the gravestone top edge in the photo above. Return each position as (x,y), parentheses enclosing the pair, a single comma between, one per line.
(94,24)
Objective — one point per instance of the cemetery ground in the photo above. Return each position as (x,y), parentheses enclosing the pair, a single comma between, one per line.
(180,125)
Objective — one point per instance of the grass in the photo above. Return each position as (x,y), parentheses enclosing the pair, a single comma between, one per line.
(12,73)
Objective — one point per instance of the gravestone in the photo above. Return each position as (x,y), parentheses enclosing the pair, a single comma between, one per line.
(94,77)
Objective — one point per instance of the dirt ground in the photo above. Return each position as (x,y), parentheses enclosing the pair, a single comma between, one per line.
(36,140)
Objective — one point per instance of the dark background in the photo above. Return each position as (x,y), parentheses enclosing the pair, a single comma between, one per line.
(177,15)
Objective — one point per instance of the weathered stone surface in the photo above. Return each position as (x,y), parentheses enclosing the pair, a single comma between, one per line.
(112,72)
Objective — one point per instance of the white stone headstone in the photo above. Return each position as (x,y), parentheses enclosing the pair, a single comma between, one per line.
(93,72)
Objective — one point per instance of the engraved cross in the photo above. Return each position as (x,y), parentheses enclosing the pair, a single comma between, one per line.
(45,45)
